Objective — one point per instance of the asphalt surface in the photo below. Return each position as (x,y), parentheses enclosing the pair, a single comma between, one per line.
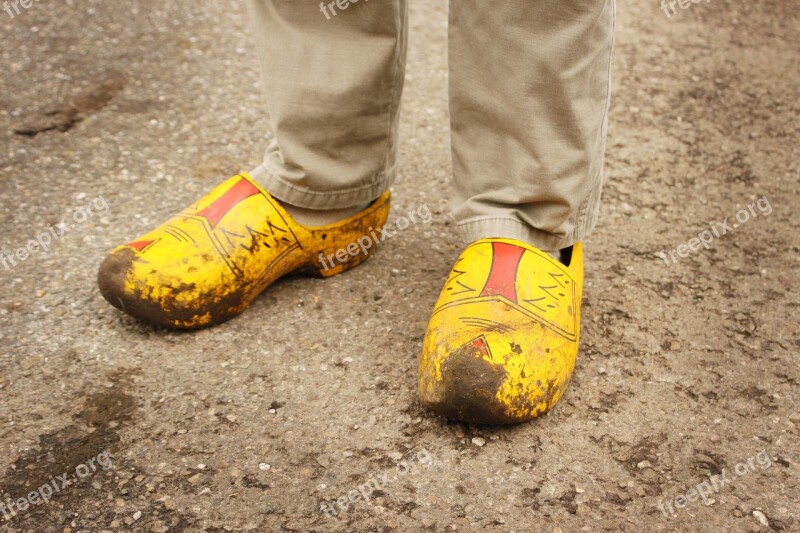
(115,115)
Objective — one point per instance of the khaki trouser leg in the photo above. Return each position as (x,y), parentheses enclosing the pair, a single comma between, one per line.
(333,84)
(529,89)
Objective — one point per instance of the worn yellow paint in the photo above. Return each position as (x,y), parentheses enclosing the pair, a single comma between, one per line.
(505,358)
(207,263)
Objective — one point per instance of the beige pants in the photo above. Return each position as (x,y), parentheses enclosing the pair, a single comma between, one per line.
(529,92)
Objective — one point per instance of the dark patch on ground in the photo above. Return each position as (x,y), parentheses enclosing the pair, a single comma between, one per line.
(95,430)
(65,117)
(644,449)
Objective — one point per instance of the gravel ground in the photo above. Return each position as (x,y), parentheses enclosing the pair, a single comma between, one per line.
(688,368)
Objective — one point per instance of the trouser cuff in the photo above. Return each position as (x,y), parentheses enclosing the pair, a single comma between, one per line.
(510,228)
(308,199)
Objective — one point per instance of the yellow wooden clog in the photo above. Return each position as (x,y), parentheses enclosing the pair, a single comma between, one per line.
(503,339)
(207,263)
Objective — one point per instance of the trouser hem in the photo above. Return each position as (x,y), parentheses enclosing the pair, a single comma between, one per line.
(510,228)
(309,199)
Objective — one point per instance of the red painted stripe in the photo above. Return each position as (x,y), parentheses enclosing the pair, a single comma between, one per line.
(140,245)
(503,275)
(220,207)
(479,347)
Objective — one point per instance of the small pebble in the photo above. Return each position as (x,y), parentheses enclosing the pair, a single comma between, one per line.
(478,441)
(762,518)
